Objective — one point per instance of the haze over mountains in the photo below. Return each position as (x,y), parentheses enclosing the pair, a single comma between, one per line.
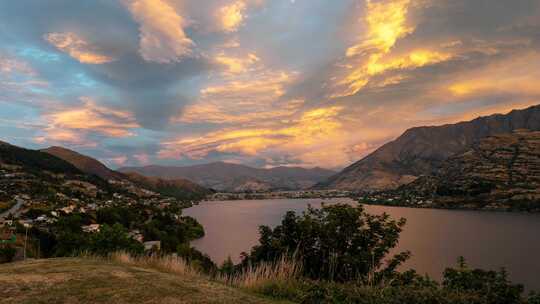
(420,151)
(223,176)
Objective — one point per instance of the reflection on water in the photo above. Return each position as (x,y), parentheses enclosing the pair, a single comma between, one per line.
(435,237)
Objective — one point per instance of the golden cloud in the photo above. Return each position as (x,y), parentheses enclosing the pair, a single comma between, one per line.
(162,35)
(232,15)
(77,48)
(73,124)
(236,65)
(386,23)
(245,92)
(311,129)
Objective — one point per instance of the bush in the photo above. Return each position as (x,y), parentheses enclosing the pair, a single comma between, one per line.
(336,242)
(7,254)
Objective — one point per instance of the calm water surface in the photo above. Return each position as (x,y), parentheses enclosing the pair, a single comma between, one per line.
(435,237)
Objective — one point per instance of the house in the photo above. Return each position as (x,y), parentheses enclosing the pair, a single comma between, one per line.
(136,235)
(69,209)
(152,245)
(91,228)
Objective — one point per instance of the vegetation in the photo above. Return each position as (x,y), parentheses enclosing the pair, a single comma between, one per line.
(336,243)
(348,246)
(98,280)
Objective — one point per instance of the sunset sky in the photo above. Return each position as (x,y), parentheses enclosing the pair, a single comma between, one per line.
(259,82)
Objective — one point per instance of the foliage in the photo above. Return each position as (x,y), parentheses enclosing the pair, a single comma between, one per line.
(494,285)
(462,286)
(172,233)
(337,243)
(7,253)
(197,260)
(122,215)
(111,239)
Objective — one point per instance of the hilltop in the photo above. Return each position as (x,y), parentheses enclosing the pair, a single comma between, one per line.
(84,163)
(422,150)
(76,280)
(224,176)
(177,188)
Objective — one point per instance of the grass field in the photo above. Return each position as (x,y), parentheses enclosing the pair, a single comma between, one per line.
(87,280)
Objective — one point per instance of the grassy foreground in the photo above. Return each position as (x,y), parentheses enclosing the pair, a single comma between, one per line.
(87,280)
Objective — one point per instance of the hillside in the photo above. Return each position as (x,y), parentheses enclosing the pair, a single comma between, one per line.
(422,150)
(232,177)
(177,188)
(83,162)
(501,171)
(71,280)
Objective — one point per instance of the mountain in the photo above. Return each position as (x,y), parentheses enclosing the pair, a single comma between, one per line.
(420,151)
(499,171)
(178,188)
(83,163)
(32,160)
(232,177)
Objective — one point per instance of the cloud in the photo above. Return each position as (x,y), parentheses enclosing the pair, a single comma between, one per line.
(74,124)
(246,91)
(77,48)
(232,15)
(162,35)
(309,132)
(386,23)
(236,65)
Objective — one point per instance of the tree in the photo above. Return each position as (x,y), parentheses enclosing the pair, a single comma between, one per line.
(337,242)
(113,238)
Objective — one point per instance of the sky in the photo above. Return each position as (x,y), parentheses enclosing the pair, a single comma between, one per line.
(260,82)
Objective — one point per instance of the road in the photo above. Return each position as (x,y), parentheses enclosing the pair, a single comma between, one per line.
(13,210)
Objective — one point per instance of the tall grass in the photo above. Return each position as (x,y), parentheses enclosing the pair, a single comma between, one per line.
(252,277)
(255,277)
(167,263)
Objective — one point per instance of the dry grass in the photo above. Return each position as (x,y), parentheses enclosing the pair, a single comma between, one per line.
(255,277)
(119,279)
(166,263)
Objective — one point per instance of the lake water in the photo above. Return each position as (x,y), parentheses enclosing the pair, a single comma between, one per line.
(436,238)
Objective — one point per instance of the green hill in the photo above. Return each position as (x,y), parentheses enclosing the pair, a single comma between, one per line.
(76,280)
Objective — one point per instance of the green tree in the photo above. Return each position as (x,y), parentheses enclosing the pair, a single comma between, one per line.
(113,238)
(337,242)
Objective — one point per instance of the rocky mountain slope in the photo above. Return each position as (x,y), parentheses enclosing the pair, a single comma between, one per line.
(232,177)
(501,171)
(422,150)
(178,188)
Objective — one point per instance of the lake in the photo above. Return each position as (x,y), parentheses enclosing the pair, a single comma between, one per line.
(436,238)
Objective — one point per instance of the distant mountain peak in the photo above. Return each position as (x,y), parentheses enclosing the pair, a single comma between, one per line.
(226,176)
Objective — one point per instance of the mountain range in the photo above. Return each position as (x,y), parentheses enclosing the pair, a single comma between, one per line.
(179,188)
(224,176)
(422,150)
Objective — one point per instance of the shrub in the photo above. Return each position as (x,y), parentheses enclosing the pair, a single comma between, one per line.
(337,242)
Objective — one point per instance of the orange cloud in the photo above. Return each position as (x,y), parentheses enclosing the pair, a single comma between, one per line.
(386,23)
(312,130)
(232,15)
(73,124)
(246,91)
(237,65)
(162,35)
(77,48)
